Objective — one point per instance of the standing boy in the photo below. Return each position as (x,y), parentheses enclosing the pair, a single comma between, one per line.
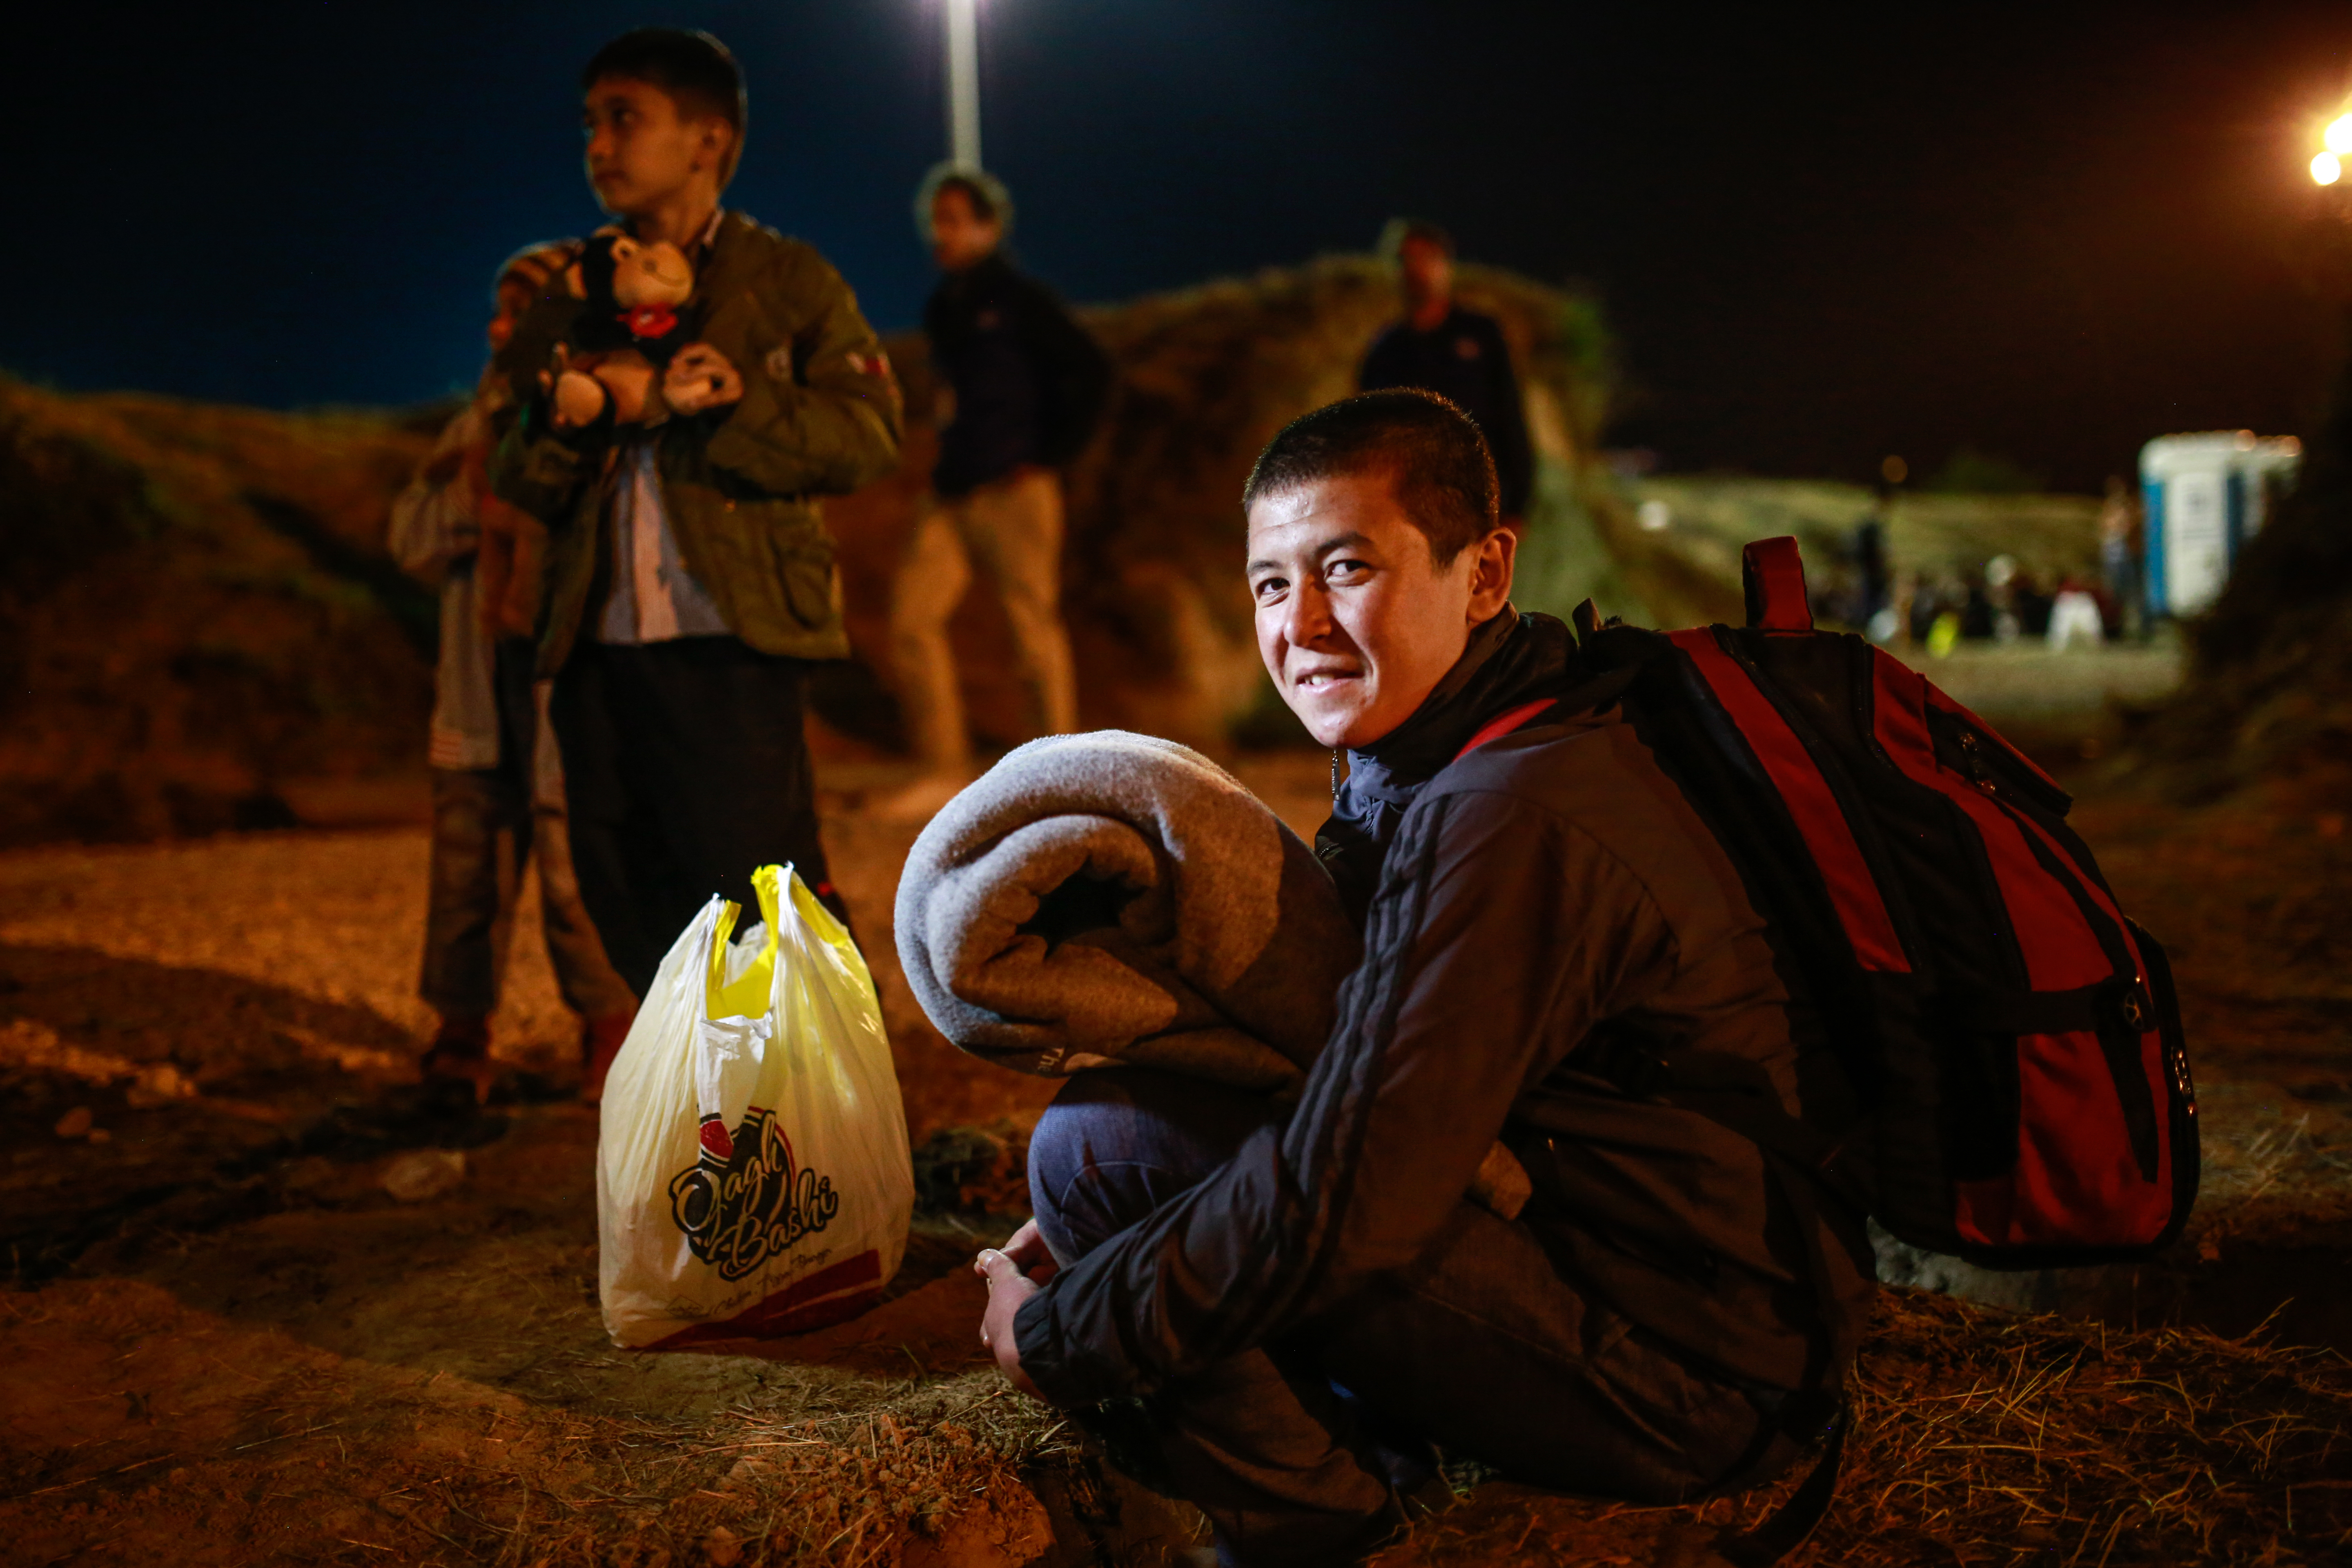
(498,796)
(689,577)
(1025,383)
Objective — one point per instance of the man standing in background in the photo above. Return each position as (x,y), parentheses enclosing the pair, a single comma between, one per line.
(2119,558)
(1457,353)
(1026,385)
(689,577)
(497,789)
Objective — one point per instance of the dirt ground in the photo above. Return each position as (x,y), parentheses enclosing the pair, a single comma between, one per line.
(228,1340)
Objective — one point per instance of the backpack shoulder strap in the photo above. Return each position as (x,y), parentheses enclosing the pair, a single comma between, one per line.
(1772,579)
(1599,692)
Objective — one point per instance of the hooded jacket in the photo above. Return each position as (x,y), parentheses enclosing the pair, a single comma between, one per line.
(1525,908)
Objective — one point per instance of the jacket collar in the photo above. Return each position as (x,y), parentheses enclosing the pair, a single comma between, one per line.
(1512,660)
(699,250)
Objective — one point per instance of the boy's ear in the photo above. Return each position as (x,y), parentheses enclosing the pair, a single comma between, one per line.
(716,146)
(1491,572)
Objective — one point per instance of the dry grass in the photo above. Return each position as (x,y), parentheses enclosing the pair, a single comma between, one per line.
(1984,1439)
(2006,1440)
(847,1488)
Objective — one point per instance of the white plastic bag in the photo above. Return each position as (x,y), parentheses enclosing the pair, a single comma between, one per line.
(752,1175)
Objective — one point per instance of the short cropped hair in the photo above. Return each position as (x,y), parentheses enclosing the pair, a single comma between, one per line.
(693,68)
(1399,231)
(991,202)
(1445,476)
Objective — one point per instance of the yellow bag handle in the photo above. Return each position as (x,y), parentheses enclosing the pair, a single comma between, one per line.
(747,997)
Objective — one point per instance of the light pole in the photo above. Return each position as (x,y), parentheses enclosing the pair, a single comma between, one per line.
(963,82)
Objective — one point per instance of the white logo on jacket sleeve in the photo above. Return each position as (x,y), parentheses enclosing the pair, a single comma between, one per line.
(779,363)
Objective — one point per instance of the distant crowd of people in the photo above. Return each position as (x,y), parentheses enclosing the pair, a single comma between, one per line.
(1998,600)
(635,576)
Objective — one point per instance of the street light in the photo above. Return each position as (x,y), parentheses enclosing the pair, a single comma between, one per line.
(2334,143)
(963,82)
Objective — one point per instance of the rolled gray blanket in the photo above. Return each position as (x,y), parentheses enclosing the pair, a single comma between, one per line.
(1115,898)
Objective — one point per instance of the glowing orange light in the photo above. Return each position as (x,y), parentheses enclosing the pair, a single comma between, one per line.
(2338,136)
(2327,168)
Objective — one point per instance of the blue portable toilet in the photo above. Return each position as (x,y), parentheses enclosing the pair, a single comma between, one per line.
(2207,494)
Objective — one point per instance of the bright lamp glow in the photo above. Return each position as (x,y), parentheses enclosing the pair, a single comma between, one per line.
(2339,137)
(2327,168)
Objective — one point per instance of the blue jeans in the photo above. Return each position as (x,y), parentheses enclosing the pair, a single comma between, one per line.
(1482,1349)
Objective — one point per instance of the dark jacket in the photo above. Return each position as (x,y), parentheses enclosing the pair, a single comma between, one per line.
(1550,893)
(1467,362)
(819,416)
(1029,383)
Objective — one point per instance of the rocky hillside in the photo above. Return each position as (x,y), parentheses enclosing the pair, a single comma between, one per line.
(195,607)
(198,623)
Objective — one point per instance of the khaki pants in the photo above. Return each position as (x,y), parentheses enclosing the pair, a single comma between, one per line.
(1012,527)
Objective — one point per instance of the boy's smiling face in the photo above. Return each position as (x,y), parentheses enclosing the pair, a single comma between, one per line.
(1356,620)
(642,152)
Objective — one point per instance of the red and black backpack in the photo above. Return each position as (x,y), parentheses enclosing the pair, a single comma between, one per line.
(2020,1092)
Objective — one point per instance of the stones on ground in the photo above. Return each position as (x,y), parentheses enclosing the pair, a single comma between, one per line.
(721,1549)
(74,1123)
(422,1174)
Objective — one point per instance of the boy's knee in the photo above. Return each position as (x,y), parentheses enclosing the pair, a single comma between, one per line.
(1116,1144)
(1069,1137)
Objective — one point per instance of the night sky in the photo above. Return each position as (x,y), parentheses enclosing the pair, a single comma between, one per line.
(2046,232)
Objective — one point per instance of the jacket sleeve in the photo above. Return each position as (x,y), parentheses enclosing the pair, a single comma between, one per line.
(1071,368)
(540,471)
(1382,366)
(433,527)
(1515,466)
(1496,931)
(433,522)
(825,423)
(533,467)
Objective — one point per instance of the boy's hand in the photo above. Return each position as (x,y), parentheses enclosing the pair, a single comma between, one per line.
(630,379)
(701,377)
(1013,1276)
(1029,1254)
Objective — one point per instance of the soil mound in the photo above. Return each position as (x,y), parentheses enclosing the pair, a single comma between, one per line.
(195,606)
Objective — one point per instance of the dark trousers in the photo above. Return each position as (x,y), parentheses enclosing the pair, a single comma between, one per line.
(487,823)
(1481,1348)
(688,769)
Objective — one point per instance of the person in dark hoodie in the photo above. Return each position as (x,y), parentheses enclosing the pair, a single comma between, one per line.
(1300,1297)
(1024,385)
(1456,352)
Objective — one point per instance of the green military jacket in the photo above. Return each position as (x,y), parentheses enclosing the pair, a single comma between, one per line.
(820,415)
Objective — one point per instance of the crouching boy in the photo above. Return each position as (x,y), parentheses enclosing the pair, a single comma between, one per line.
(1300,1296)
